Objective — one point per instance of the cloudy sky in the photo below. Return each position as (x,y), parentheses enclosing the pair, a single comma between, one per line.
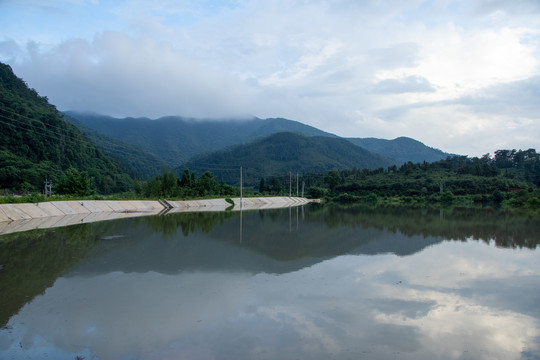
(459,75)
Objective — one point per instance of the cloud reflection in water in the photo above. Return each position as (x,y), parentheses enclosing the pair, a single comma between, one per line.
(422,306)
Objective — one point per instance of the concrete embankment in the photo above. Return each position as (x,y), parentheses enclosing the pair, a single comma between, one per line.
(23,217)
(247,204)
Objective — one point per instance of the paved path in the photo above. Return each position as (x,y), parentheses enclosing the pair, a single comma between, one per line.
(23,217)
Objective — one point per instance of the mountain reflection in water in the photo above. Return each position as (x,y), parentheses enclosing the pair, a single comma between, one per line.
(310,282)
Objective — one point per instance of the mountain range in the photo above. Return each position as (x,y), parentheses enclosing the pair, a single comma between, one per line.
(268,145)
(176,140)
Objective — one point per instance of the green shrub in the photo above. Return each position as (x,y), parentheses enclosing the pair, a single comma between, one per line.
(346,198)
(372,198)
(533,203)
(447,197)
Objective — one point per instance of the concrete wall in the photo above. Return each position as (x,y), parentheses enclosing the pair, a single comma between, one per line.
(23,217)
(247,204)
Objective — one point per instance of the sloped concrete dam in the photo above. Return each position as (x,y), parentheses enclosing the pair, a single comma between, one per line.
(28,216)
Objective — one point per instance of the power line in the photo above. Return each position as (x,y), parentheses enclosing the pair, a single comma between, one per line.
(34,119)
(39,132)
(105,145)
(202,167)
(64,137)
(83,132)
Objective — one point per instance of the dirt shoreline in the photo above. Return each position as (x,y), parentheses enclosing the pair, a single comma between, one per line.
(28,216)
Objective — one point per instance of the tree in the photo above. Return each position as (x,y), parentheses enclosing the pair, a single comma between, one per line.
(137,187)
(262,187)
(497,197)
(447,197)
(168,183)
(207,185)
(186,179)
(316,192)
(275,185)
(76,183)
(332,179)
(372,198)
(503,159)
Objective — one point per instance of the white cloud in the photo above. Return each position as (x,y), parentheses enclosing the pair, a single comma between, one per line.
(485,121)
(124,76)
(409,84)
(342,66)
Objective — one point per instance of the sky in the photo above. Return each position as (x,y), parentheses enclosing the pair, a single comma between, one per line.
(462,76)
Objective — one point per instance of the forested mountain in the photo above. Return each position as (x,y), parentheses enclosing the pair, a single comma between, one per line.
(176,140)
(37,144)
(402,149)
(281,153)
(138,163)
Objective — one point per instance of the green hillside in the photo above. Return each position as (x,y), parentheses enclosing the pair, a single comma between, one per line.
(175,140)
(138,163)
(37,144)
(286,152)
(402,149)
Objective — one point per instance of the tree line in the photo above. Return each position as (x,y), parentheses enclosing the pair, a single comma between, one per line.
(169,185)
(508,175)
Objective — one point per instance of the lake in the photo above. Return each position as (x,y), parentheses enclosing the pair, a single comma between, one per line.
(312,282)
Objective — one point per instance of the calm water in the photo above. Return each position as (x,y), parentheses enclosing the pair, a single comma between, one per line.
(302,283)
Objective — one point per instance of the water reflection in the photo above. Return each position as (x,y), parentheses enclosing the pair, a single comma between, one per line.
(506,228)
(323,283)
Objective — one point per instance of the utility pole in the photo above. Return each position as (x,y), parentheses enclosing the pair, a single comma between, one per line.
(296,184)
(241,188)
(303,184)
(290,183)
(48,188)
